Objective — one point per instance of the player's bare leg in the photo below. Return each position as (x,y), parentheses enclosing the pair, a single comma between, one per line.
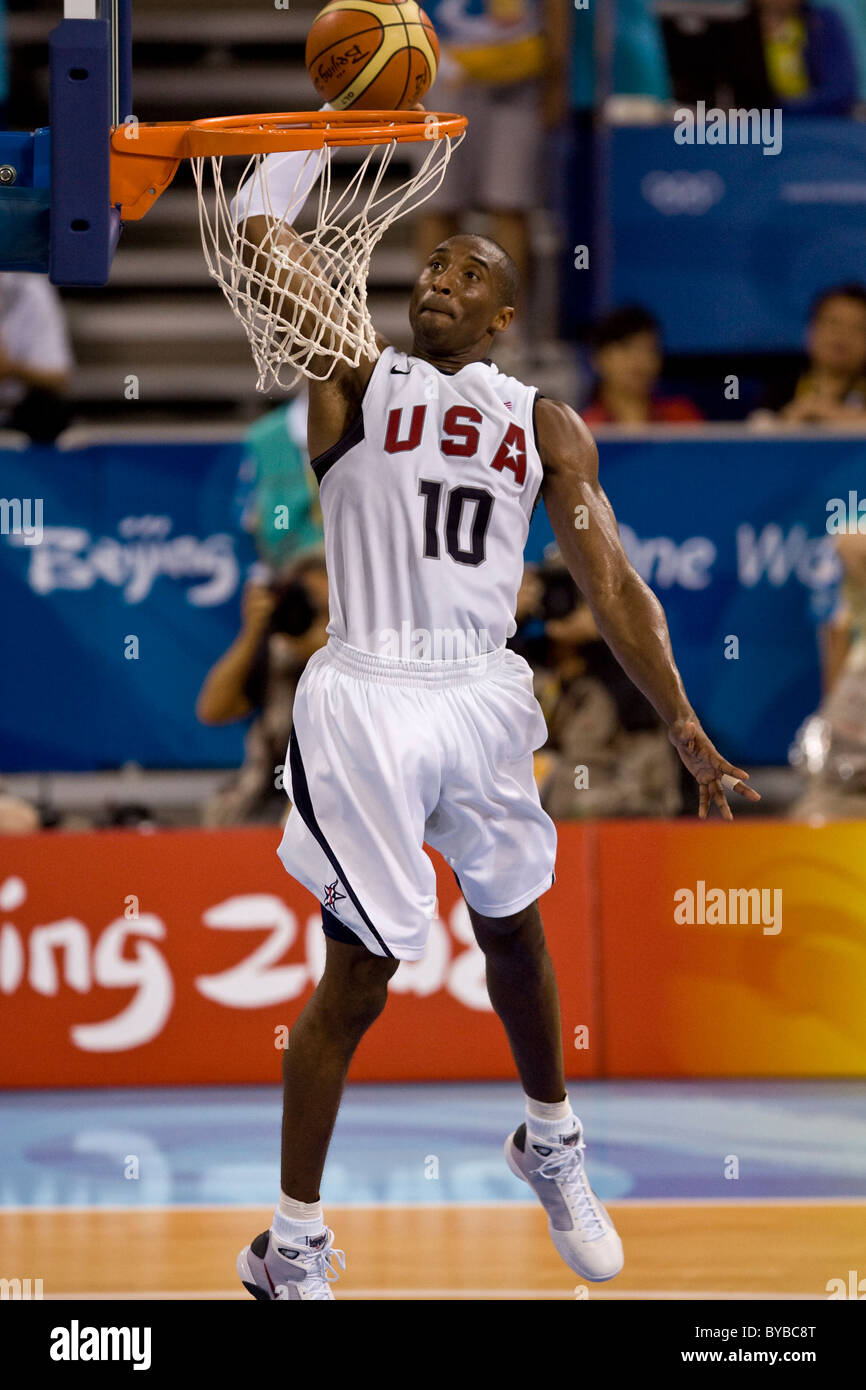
(295,1258)
(522,989)
(348,999)
(547,1150)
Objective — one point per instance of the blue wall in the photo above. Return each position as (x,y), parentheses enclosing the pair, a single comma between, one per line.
(729,246)
(139,542)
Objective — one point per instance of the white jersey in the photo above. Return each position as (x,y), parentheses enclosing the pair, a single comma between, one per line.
(426,503)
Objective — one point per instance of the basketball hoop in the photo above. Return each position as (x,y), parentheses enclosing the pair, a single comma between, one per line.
(301,295)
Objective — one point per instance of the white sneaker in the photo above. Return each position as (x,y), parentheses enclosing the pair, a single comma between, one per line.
(580,1226)
(273,1269)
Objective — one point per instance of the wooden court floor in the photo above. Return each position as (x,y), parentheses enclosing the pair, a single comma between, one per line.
(674,1250)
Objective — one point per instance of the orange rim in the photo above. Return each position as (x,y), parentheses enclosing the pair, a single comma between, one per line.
(145,157)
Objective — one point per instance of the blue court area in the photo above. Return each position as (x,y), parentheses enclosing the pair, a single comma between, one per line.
(432,1143)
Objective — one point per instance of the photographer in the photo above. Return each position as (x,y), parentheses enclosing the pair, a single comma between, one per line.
(597,719)
(282,625)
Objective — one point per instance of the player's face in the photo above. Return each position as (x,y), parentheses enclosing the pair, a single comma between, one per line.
(455,302)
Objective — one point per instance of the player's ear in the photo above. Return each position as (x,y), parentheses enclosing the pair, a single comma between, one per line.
(502,318)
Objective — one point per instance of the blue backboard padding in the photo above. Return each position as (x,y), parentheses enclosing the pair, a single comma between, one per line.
(83,235)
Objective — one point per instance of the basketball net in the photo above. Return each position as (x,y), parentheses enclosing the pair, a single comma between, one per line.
(301,295)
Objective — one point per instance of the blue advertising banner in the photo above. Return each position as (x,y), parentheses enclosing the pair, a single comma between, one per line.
(728,244)
(121,586)
(732,536)
(114,612)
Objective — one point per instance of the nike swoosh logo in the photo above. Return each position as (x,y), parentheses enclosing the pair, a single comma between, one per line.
(400,371)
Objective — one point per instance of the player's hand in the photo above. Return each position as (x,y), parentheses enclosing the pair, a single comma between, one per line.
(709,768)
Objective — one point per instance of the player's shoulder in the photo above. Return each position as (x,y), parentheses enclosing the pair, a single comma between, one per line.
(564,439)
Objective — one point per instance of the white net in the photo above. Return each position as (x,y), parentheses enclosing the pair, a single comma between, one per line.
(294,266)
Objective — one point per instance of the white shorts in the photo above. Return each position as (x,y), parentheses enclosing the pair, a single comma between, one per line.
(386,755)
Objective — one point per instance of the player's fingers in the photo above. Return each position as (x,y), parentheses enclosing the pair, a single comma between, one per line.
(703,801)
(736,772)
(722,801)
(732,784)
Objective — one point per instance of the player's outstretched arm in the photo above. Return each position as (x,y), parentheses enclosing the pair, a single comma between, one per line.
(627,613)
(263,212)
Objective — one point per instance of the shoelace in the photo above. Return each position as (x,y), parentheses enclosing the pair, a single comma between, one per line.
(565,1165)
(320,1271)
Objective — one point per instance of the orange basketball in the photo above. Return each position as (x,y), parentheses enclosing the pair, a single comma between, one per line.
(372,54)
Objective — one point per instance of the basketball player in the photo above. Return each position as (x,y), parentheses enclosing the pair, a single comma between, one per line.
(429,465)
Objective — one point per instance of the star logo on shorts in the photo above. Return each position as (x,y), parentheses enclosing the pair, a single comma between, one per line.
(331,894)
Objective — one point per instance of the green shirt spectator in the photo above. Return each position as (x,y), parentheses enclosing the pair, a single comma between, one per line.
(277,488)
(640,64)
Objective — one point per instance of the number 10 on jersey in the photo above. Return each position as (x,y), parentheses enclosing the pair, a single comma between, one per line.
(455,500)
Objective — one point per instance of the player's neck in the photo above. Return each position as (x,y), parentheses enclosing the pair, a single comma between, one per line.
(450,362)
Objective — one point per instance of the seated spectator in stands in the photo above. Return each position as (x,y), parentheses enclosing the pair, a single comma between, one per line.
(854,14)
(794,55)
(597,719)
(277,494)
(627,357)
(638,69)
(831,391)
(35,357)
(283,624)
(830,747)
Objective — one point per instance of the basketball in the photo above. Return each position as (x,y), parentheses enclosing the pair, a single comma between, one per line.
(374,55)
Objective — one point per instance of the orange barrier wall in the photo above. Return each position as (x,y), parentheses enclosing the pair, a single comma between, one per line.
(783,998)
(132,959)
(185,956)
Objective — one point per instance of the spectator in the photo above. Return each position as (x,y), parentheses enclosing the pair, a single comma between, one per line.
(17,816)
(627,357)
(282,625)
(35,357)
(638,68)
(639,64)
(795,55)
(503,64)
(831,745)
(854,14)
(597,719)
(831,391)
(277,494)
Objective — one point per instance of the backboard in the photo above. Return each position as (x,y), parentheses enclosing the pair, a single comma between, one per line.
(55,211)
